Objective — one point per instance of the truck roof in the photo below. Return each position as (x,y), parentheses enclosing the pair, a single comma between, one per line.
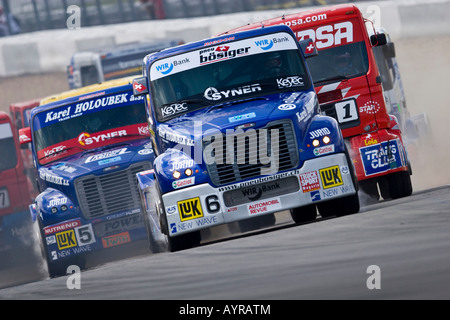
(83,93)
(307,18)
(213,41)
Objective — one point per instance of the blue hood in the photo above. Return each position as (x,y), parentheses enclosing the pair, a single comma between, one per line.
(97,161)
(193,126)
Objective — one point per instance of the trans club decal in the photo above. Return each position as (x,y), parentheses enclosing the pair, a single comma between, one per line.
(382,157)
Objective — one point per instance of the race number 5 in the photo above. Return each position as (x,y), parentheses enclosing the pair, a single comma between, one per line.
(346,111)
(85,235)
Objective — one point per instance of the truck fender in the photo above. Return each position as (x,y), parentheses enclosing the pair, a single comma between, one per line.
(53,205)
(321,126)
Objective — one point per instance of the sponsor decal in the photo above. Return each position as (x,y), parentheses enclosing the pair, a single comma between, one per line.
(323,150)
(62,227)
(370,107)
(319,133)
(315,196)
(173,109)
(183,183)
(379,158)
(287,107)
(66,239)
(183,164)
(105,155)
(190,209)
(86,139)
(221,53)
(289,82)
(213,94)
(116,240)
(53,178)
(264,206)
(309,181)
(329,35)
(331,177)
(242,117)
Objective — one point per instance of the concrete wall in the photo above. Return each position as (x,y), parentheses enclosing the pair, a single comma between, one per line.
(50,51)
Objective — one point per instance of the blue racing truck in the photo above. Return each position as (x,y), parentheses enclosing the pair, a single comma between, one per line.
(87,145)
(238,135)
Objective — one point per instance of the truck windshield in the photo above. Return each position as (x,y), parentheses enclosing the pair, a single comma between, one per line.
(221,74)
(8,160)
(70,129)
(337,63)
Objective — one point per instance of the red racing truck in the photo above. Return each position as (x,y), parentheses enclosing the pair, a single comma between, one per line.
(348,86)
(15,221)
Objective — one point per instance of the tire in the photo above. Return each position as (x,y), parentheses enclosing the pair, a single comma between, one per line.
(339,207)
(304,214)
(184,241)
(400,184)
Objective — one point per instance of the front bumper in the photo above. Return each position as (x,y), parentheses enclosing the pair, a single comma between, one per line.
(79,236)
(203,206)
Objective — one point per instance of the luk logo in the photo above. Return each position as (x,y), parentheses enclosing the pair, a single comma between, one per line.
(66,239)
(165,68)
(331,177)
(190,209)
(264,44)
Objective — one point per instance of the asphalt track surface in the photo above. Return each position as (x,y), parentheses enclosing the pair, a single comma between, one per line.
(407,240)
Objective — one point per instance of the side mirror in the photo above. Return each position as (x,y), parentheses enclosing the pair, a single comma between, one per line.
(25,135)
(378,39)
(140,86)
(308,48)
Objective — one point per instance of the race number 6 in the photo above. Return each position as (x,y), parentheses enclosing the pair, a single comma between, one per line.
(346,111)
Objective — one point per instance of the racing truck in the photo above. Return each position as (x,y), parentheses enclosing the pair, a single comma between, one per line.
(88,144)
(15,222)
(237,133)
(90,67)
(349,88)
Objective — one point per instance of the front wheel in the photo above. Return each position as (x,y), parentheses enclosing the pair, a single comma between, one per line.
(304,214)
(184,241)
(339,207)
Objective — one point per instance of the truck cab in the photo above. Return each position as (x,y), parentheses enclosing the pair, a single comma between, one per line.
(349,88)
(14,192)
(88,144)
(238,135)
(90,67)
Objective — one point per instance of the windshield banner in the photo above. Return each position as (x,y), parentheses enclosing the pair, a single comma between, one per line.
(80,108)
(229,50)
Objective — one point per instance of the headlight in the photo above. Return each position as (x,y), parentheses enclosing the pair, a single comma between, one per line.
(316,143)
(176,174)
(326,139)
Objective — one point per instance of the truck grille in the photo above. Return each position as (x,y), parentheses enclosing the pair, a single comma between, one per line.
(110,193)
(243,166)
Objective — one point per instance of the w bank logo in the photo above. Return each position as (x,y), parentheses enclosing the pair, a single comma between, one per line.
(165,68)
(264,44)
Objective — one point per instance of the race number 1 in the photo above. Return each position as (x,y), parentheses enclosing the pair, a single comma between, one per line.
(346,111)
